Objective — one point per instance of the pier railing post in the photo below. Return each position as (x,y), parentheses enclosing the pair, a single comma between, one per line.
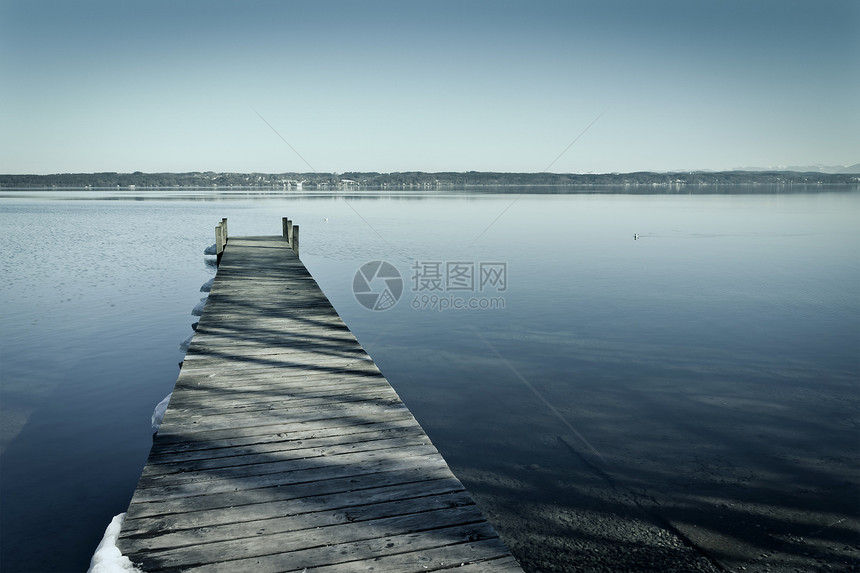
(219,241)
(289,234)
(284,222)
(224,229)
(295,242)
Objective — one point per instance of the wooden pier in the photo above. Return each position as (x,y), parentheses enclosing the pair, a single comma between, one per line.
(285,449)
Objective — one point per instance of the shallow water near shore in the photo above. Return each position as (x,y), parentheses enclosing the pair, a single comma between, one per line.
(691,396)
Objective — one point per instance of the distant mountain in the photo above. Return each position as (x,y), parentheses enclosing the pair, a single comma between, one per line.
(817,168)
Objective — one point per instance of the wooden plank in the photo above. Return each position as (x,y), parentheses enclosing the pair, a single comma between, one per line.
(280,474)
(176,424)
(261,462)
(241,374)
(309,511)
(251,502)
(320,420)
(360,404)
(447,546)
(278,433)
(326,445)
(211,393)
(225,366)
(462,557)
(261,537)
(248,402)
(451,523)
(285,449)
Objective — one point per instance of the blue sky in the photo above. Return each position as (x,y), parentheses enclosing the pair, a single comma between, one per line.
(120,85)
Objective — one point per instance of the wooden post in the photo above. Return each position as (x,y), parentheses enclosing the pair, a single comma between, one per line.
(284,222)
(289,235)
(295,241)
(224,229)
(219,241)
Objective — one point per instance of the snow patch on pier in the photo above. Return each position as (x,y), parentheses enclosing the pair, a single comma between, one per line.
(198,309)
(108,558)
(158,413)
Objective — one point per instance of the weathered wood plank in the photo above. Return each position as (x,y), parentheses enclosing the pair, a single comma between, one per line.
(325,445)
(248,501)
(310,511)
(217,395)
(277,433)
(319,420)
(358,405)
(285,449)
(462,557)
(176,424)
(300,471)
(290,534)
(261,462)
(450,545)
(224,367)
(240,404)
(257,381)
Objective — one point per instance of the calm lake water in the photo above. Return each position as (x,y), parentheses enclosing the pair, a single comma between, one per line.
(623,401)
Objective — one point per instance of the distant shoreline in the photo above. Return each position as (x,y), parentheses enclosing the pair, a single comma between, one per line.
(637,181)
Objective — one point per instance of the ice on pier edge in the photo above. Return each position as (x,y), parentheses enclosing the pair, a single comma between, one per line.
(210,250)
(158,413)
(198,310)
(207,286)
(108,558)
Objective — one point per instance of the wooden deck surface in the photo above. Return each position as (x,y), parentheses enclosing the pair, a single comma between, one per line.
(285,449)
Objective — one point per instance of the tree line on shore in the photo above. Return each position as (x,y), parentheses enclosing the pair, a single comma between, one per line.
(418,179)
